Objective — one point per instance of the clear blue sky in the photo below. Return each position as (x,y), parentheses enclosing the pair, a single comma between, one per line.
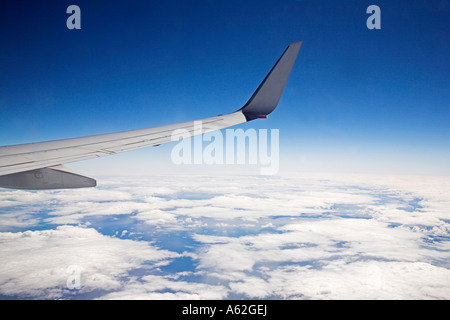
(358,100)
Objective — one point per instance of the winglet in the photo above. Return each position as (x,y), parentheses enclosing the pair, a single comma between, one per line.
(266,97)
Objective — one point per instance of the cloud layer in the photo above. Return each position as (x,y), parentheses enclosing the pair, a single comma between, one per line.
(37,263)
(186,237)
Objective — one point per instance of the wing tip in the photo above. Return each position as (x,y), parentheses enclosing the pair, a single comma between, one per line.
(296,43)
(266,97)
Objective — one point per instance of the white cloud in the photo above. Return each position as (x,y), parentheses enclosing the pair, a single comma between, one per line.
(297,236)
(361,280)
(158,287)
(34,263)
(329,259)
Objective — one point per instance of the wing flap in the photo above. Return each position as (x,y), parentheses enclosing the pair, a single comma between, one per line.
(57,177)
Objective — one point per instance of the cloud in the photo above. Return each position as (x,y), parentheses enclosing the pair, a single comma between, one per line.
(35,263)
(231,236)
(343,280)
(328,259)
(160,287)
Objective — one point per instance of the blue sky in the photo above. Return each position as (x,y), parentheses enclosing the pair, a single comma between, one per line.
(358,100)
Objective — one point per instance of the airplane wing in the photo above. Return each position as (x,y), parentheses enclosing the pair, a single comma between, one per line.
(38,166)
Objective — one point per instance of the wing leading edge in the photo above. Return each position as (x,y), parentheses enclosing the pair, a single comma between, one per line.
(38,166)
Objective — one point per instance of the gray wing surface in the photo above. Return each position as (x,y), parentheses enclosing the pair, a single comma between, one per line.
(40,165)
